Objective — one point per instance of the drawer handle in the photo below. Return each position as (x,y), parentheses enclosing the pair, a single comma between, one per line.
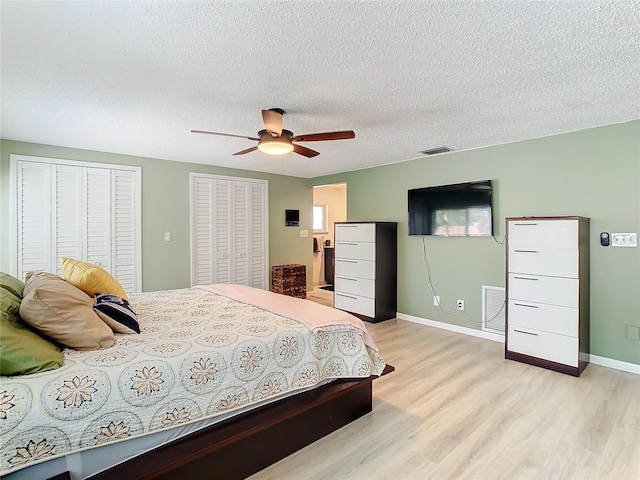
(526,251)
(524,224)
(526,333)
(347,243)
(348,296)
(345,278)
(345,261)
(526,278)
(523,305)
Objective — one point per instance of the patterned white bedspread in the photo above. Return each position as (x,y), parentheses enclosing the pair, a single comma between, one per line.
(198,354)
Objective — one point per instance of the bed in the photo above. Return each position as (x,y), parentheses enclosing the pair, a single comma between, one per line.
(216,372)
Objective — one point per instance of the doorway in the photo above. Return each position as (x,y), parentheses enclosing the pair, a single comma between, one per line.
(329,206)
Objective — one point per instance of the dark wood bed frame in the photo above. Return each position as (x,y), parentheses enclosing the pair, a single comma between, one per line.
(244,445)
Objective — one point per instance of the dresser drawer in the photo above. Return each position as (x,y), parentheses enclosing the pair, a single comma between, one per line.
(545,345)
(543,233)
(538,289)
(548,318)
(363,232)
(355,268)
(357,286)
(558,262)
(354,303)
(356,250)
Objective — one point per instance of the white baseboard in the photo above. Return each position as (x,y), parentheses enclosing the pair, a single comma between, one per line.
(603,361)
(454,328)
(617,364)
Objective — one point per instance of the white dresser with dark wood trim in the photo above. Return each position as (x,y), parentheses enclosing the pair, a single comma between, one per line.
(548,292)
(365,272)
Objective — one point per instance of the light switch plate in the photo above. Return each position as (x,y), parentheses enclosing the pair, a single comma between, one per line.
(624,239)
(167,236)
(304,233)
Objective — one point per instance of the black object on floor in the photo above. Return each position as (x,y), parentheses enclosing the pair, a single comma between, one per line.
(327,287)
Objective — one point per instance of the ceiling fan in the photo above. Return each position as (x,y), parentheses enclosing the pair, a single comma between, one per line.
(274,140)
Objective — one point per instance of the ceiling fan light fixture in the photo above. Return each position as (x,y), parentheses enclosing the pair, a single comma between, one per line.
(275,146)
(275,140)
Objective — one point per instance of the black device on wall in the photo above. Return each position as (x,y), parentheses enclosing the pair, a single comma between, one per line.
(292,218)
(457,210)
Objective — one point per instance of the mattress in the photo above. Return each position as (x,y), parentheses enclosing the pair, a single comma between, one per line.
(201,356)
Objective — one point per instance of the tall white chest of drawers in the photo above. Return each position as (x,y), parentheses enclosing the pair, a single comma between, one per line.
(548,292)
(365,274)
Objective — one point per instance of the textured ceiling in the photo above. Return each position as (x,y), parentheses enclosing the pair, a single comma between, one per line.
(135,77)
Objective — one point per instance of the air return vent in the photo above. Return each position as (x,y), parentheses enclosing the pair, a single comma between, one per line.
(435,151)
(493,309)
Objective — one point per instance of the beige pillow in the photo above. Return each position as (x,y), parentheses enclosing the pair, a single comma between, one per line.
(22,350)
(63,312)
(91,278)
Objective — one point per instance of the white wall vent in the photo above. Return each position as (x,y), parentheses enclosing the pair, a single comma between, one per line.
(493,309)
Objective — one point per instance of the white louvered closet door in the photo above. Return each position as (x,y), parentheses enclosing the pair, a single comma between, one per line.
(33,234)
(125,225)
(240,221)
(220,269)
(201,231)
(229,231)
(97,218)
(258,265)
(74,209)
(67,197)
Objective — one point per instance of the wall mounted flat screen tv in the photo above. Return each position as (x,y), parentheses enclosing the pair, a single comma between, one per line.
(458,210)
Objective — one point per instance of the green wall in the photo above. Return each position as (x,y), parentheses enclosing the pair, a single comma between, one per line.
(593,173)
(165,208)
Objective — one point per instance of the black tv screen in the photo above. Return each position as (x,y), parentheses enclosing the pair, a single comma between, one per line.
(458,210)
(292,218)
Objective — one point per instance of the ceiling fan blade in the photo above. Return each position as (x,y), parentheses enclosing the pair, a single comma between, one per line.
(225,134)
(272,122)
(242,152)
(307,152)
(318,137)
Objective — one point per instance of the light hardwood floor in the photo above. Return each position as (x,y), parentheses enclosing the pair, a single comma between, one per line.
(455,408)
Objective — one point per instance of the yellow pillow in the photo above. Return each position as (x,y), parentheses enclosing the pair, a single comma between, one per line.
(90,278)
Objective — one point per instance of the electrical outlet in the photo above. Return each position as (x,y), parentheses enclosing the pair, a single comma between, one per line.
(436,300)
(624,239)
(460,305)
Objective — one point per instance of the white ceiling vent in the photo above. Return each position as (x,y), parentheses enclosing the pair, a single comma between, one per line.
(435,151)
